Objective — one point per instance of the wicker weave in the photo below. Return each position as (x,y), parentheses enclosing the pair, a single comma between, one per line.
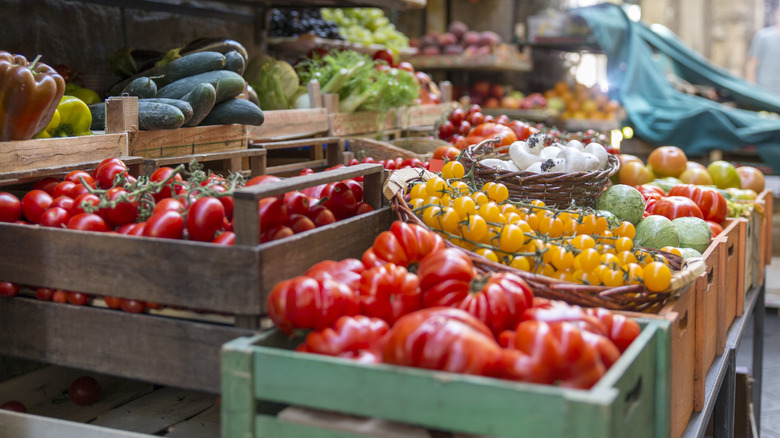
(557,189)
(419,145)
(379,150)
(631,297)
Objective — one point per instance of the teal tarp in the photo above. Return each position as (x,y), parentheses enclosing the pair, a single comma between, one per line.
(664,116)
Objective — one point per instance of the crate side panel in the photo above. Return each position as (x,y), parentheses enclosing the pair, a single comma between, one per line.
(23,155)
(186,141)
(287,124)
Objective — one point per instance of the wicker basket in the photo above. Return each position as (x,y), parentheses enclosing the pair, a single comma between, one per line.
(419,145)
(379,150)
(630,297)
(557,189)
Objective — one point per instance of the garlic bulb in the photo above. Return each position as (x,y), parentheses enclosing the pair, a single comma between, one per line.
(600,152)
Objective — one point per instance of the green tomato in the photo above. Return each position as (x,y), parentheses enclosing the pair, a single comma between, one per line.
(742,194)
(723,174)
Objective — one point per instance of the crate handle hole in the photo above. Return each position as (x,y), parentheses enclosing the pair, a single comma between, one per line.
(731,250)
(633,396)
(683,323)
(710,275)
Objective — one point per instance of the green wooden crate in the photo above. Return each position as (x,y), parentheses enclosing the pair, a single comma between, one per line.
(260,376)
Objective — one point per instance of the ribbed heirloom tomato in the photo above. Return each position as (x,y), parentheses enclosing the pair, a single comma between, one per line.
(673,207)
(403,244)
(447,278)
(711,202)
(490,130)
(304,302)
(356,337)
(389,292)
(347,271)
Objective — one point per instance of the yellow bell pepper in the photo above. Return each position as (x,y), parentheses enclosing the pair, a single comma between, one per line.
(88,96)
(72,118)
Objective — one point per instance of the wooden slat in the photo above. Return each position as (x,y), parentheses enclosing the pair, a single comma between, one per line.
(712,320)
(165,351)
(288,144)
(175,272)
(14,424)
(204,425)
(30,155)
(368,122)
(157,411)
(151,164)
(186,141)
(286,124)
(285,168)
(133,163)
(422,115)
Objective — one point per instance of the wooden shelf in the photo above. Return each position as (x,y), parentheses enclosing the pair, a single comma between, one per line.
(388,4)
(504,58)
(307,43)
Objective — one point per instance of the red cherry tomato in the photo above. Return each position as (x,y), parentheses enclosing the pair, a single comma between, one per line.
(132,306)
(65,202)
(81,201)
(457,115)
(34,203)
(84,391)
(44,293)
(14,405)
(205,218)
(386,56)
(78,190)
(106,173)
(10,207)
(227,238)
(162,174)
(55,217)
(165,224)
(404,65)
(8,289)
(46,184)
(113,302)
(63,189)
(87,222)
(78,298)
(124,212)
(77,175)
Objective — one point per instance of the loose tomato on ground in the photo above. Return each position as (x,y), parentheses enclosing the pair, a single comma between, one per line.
(403,244)
(14,405)
(347,271)
(443,338)
(204,219)
(307,303)
(10,207)
(389,292)
(84,391)
(353,337)
(673,207)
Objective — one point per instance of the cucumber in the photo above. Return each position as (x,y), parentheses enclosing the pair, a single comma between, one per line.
(154,115)
(98,111)
(185,108)
(234,62)
(151,115)
(228,84)
(239,111)
(141,87)
(202,99)
(188,65)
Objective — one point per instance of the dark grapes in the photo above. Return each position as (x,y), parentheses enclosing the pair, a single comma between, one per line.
(295,22)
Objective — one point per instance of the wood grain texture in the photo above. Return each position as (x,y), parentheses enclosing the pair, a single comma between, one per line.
(175,272)
(238,404)
(288,144)
(121,114)
(283,169)
(287,124)
(204,425)
(712,315)
(766,238)
(186,141)
(157,411)
(469,404)
(422,115)
(133,164)
(367,122)
(31,155)
(14,424)
(165,351)
(152,164)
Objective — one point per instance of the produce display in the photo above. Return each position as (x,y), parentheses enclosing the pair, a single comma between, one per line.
(458,40)
(413,302)
(366,26)
(581,102)
(292,22)
(532,156)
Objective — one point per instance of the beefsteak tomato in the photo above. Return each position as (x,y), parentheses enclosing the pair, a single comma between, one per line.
(403,245)
(673,207)
(389,292)
(491,130)
(307,303)
(356,337)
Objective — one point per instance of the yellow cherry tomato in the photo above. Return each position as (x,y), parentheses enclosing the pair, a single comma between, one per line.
(498,192)
(419,191)
(521,262)
(416,203)
(623,244)
(626,257)
(583,241)
(488,254)
(508,208)
(480,198)
(588,259)
(551,226)
(474,229)
(460,188)
(657,276)
(431,217)
(625,229)
(464,206)
(511,238)
(611,277)
(435,186)
(559,257)
(489,211)
(453,169)
(634,272)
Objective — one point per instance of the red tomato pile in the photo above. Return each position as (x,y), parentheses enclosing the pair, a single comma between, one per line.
(170,206)
(412,301)
(469,126)
(394,164)
(687,200)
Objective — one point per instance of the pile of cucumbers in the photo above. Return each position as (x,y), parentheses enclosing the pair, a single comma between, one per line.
(200,88)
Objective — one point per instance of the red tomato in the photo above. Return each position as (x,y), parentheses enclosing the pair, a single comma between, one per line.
(171,204)
(228,238)
(490,130)
(113,302)
(442,338)
(403,65)
(650,191)
(84,391)
(474,109)
(106,173)
(8,289)
(83,200)
(300,223)
(132,306)
(353,162)
(357,188)
(347,271)
(673,207)
(715,227)
(34,203)
(341,200)
(165,224)
(77,175)
(403,245)
(296,202)
(277,233)
(667,161)
(14,405)
(476,118)
(463,128)
(168,189)
(447,279)
(351,337)
(304,302)
(449,152)
(47,184)
(619,329)
(503,119)
(521,129)
(63,189)
(262,179)
(205,218)
(321,215)
(368,160)
(710,201)
(87,222)
(10,207)
(65,202)
(78,298)
(55,217)
(386,56)
(44,293)
(78,190)
(389,292)
(59,296)
(123,212)
(457,115)
(273,213)
(364,207)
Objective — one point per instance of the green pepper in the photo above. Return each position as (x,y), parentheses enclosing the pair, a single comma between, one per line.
(72,118)
(29,95)
(85,94)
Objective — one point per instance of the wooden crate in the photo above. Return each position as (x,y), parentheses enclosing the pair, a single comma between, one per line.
(734,235)
(290,156)
(364,123)
(419,116)
(125,409)
(712,316)
(681,354)
(31,155)
(122,117)
(134,166)
(754,260)
(290,124)
(260,376)
(194,275)
(766,231)
(250,161)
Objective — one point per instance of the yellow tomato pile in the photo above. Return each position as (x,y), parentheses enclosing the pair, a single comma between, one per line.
(571,245)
